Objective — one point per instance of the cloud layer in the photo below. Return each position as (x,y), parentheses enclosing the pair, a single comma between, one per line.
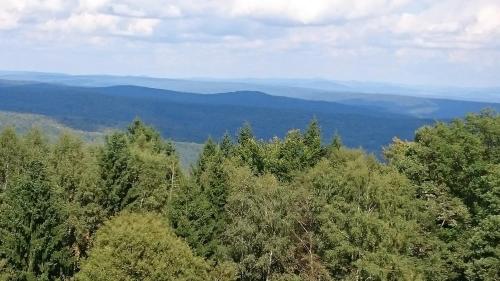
(401,40)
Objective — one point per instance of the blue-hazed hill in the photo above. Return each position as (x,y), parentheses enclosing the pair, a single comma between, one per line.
(194,117)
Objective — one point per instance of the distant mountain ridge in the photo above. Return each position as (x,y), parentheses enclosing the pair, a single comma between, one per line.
(408,100)
(332,90)
(194,117)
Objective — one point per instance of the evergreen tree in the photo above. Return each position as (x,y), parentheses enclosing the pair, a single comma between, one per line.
(312,140)
(75,174)
(12,156)
(145,136)
(198,212)
(114,163)
(33,233)
(226,145)
(336,143)
(245,134)
(249,150)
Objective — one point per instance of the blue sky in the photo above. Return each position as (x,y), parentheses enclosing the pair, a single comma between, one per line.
(446,42)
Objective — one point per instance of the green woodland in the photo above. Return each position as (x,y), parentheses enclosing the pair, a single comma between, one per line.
(282,209)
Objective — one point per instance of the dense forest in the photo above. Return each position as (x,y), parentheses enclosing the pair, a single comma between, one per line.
(283,209)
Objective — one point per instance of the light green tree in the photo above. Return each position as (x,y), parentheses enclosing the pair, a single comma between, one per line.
(135,246)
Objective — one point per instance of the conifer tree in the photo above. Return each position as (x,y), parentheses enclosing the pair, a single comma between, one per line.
(33,234)
(114,164)
(12,155)
(226,145)
(312,140)
(198,213)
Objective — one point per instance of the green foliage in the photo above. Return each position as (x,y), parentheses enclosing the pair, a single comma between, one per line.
(114,166)
(455,167)
(483,250)
(336,143)
(33,234)
(260,222)
(75,173)
(226,145)
(312,140)
(367,220)
(141,247)
(282,209)
(139,170)
(12,154)
(197,213)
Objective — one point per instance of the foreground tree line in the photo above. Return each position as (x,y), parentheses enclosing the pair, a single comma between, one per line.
(283,209)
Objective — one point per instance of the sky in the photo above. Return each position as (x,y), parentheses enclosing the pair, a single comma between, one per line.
(430,42)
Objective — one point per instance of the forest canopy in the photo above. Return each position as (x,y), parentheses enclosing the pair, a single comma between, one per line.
(281,209)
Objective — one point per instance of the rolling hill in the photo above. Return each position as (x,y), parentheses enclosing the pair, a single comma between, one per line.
(193,117)
(418,101)
(22,122)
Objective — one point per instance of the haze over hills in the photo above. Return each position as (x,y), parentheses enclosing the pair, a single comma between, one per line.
(194,117)
(419,101)
(303,88)
(192,110)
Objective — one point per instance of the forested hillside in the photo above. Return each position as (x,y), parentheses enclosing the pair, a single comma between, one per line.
(290,208)
(188,152)
(192,117)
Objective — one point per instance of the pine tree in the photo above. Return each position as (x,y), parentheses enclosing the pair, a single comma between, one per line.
(336,142)
(226,145)
(12,155)
(312,141)
(198,213)
(76,177)
(114,163)
(245,134)
(33,233)
(249,150)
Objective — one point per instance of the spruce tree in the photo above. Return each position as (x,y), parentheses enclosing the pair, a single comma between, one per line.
(33,231)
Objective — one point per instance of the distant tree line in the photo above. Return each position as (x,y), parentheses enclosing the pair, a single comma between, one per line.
(283,209)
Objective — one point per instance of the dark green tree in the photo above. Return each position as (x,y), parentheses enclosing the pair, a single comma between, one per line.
(312,140)
(198,212)
(249,150)
(33,231)
(75,173)
(226,145)
(114,164)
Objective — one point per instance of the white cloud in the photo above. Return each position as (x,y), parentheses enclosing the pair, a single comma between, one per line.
(102,24)
(487,21)
(92,5)
(7,20)
(423,24)
(314,11)
(399,30)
